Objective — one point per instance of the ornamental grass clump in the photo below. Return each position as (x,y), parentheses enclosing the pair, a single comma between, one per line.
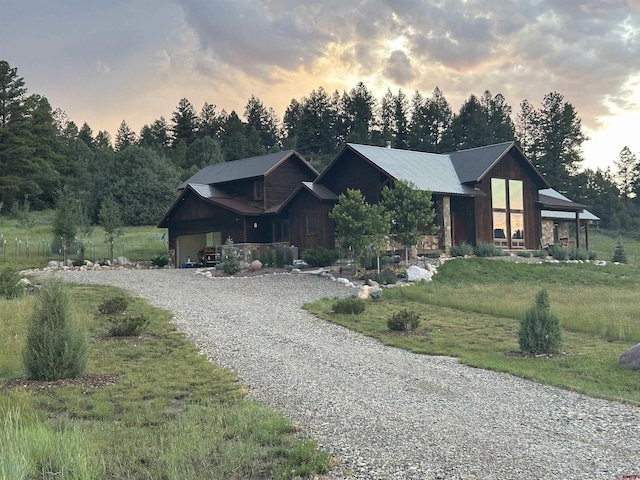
(56,347)
(484,249)
(113,306)
(539,328)
(559,253)
(127,325)
(462,250)
(403,321)
(349,306)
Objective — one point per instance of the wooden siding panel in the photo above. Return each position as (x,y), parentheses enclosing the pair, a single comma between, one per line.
(306,204)
(282,181)
(350,171)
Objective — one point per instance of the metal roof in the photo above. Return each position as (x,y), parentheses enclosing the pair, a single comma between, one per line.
(427,171)
(237,169)
(549,195)
(207,191)
(320,191)
(472,164)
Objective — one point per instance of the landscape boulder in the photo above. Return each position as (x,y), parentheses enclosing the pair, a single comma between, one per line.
(418,274)
(53,264)
(631,358)
(256,265)
(365,291)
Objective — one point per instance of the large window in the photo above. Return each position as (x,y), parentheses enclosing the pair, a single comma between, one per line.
(507,202)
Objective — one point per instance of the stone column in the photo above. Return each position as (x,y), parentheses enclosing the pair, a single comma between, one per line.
(446,224)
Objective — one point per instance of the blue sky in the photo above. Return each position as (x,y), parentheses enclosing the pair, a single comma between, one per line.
(104,62)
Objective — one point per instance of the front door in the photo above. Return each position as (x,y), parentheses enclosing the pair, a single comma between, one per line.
(463,220)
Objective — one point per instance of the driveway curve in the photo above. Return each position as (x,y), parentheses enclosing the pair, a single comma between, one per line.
(383,412)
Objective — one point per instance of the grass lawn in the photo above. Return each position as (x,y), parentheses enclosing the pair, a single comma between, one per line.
(169,413)
(471,311)
(136,243)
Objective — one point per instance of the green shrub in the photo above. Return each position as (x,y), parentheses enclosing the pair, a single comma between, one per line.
(230,263)
(160,260)
(539,328)
(349,306)
(462,250)
(113,306)
(578,254)
(558,252)
(320,257)
(542,253)
(404,320)
(56,348)
(524,254)
(386,277)
(10,283)
(484,249)
(619,255)
(126,325)
(592,255)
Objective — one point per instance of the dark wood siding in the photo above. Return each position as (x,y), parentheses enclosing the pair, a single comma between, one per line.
(303,205)
(510,168)
(284,179)
(351,171)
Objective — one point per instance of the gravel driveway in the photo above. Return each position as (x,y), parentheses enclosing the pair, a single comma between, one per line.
(383,412)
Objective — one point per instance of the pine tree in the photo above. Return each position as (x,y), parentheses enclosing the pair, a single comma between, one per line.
(230,263)
(539,328)
(619,255)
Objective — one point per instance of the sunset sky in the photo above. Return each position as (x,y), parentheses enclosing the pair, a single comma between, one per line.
(104,62)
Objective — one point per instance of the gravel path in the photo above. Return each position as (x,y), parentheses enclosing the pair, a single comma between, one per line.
(383,412)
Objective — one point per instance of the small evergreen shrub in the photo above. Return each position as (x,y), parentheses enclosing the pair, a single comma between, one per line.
(592,255)
(349,306)
(462,250)
(125,325)
(524,254)
(404,320)
(376,295)
(619,255)
(113,306)
(559,253)
(320,257)
(230,263)
(539,328)
(10,283)
(56,348)
(484,249)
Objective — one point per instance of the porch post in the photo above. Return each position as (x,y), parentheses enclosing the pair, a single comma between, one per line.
(577,229)
(586,235)
(446,220)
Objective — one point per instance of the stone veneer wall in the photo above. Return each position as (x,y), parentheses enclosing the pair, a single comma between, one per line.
(547,232)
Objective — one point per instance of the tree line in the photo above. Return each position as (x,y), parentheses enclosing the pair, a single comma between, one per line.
(47,161)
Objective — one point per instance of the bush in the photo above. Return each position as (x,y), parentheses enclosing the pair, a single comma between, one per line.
(10,283)
(56,348)
(558,252)
(404,320)
(539,328)
(484,249)
(160,260)
(320,257)
(113,306)
(524,254)
(126,325)
(578,254)
(592,255)
(349,306)
(619,255)
(386,277)
(230,263)
(462,250)
(540,253)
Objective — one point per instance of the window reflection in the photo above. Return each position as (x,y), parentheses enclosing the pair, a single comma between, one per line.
(498,193)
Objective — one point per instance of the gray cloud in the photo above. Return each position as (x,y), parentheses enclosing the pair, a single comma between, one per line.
(398,68)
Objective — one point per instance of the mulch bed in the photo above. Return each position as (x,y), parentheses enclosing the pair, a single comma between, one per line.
(89,380)
(541,355)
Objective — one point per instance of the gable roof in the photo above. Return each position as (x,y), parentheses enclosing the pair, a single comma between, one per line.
(427,171)
(559,207)
(242,169)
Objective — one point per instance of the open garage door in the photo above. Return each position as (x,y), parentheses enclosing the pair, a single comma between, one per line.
(188,247)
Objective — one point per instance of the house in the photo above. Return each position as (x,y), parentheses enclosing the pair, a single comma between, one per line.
(489,194)
(563,220)
(236,199)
